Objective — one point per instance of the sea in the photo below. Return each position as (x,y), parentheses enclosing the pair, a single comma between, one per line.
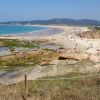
(6,30)
(18,29)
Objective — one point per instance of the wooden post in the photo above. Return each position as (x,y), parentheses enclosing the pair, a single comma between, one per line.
(26,87)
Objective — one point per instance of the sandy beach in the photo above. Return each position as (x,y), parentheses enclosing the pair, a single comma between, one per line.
(67,37)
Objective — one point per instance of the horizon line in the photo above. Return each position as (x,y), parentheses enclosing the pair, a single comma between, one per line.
(50,19)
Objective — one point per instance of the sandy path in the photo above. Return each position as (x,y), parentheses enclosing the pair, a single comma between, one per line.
(7,78)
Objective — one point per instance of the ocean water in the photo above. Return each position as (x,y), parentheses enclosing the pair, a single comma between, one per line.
(17,29)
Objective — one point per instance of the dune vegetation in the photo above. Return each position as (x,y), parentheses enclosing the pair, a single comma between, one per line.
(18,43)
(72,89)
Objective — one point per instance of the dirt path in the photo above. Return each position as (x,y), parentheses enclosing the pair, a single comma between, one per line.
(7,78)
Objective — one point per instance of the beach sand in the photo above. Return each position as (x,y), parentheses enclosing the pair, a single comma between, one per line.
(67,37)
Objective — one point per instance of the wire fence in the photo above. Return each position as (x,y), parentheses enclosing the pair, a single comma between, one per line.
(22,91)
(69,78)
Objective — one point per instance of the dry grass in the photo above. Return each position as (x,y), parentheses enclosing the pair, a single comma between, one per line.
(75,89)
(26,59)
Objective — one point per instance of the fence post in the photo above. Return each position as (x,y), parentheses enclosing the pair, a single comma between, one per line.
(26,88)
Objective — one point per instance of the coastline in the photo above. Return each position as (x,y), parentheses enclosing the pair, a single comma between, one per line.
(67,37)
(5,34)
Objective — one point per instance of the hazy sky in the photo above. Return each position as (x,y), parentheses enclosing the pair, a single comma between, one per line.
(47,9)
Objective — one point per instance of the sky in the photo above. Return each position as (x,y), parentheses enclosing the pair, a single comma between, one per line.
(20,10)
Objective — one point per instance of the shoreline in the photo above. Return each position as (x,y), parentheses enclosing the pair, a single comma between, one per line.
(32,34)
(20,33)
(67,37)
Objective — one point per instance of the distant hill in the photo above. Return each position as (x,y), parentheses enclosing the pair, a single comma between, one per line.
(57,21)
